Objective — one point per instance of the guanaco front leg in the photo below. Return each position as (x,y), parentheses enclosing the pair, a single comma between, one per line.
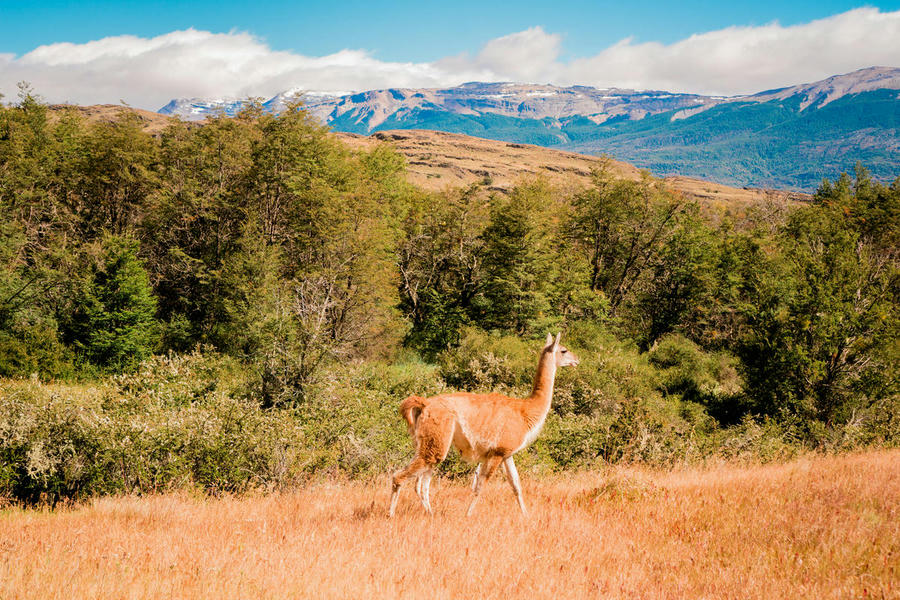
(512,475)
(485,471)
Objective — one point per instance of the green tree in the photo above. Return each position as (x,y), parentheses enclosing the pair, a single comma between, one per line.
(519,258)
(620,227)
(194,221)
(115,175)
(822,317)
(36,235)
(111,318)
(439,259)
(678,281)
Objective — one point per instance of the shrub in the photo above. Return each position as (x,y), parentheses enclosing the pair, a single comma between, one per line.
(190,421)
(607,409)
(710,379)
(351,419)
(486,362)
(52,441)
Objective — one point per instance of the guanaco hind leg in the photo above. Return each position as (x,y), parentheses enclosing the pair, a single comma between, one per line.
(434,434)
(417,466)
(426,490)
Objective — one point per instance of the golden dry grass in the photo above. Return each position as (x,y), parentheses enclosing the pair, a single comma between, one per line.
(814,528)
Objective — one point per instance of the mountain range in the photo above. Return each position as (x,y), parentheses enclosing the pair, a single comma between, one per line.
(791,137)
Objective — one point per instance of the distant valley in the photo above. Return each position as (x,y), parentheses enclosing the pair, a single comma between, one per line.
(786,138)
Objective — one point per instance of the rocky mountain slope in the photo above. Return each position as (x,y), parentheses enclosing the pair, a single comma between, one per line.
(790,137)
(365,112)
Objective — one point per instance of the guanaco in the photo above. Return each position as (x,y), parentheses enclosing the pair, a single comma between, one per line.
(487,429)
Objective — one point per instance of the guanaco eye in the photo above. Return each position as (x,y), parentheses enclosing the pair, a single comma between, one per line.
(564,351)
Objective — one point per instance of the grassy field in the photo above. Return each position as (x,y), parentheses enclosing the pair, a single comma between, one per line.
(814,528)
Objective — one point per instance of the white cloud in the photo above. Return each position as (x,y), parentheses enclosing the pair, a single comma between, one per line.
(522,56)
(739,60)
(147,72)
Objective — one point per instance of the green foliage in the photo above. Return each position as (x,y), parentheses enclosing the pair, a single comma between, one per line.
(707,378)
(260,234)
(486,362)
(612,407)
(644,249)
(822,325)
(619,226)
(114,175)
(439,259)
(111,319)
(518,261)
(177,422)
(677,283)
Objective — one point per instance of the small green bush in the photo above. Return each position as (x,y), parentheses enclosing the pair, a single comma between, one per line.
(34,348)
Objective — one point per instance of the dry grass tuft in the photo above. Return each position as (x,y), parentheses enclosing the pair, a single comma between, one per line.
(813,528)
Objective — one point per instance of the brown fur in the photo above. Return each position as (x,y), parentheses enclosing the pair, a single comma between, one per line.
(485,428)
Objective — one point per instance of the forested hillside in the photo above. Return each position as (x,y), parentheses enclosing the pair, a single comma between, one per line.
(246,302)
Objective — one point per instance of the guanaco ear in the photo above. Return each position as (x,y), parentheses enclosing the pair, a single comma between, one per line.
(556,341)
(549,340)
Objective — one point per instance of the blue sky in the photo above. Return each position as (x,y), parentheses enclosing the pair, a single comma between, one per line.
(399,31)
(147,52)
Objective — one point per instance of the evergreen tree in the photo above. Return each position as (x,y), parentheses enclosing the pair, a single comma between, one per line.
(518,261)
(111,319)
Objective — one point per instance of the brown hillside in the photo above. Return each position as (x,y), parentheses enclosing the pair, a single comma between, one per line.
(437,160)
(153,123)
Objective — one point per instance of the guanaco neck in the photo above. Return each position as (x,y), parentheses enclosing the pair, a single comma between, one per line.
(542,390)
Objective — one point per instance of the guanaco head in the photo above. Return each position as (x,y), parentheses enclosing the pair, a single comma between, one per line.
(564,357)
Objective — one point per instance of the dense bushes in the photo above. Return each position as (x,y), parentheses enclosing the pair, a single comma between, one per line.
(190,421)
(177,422)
